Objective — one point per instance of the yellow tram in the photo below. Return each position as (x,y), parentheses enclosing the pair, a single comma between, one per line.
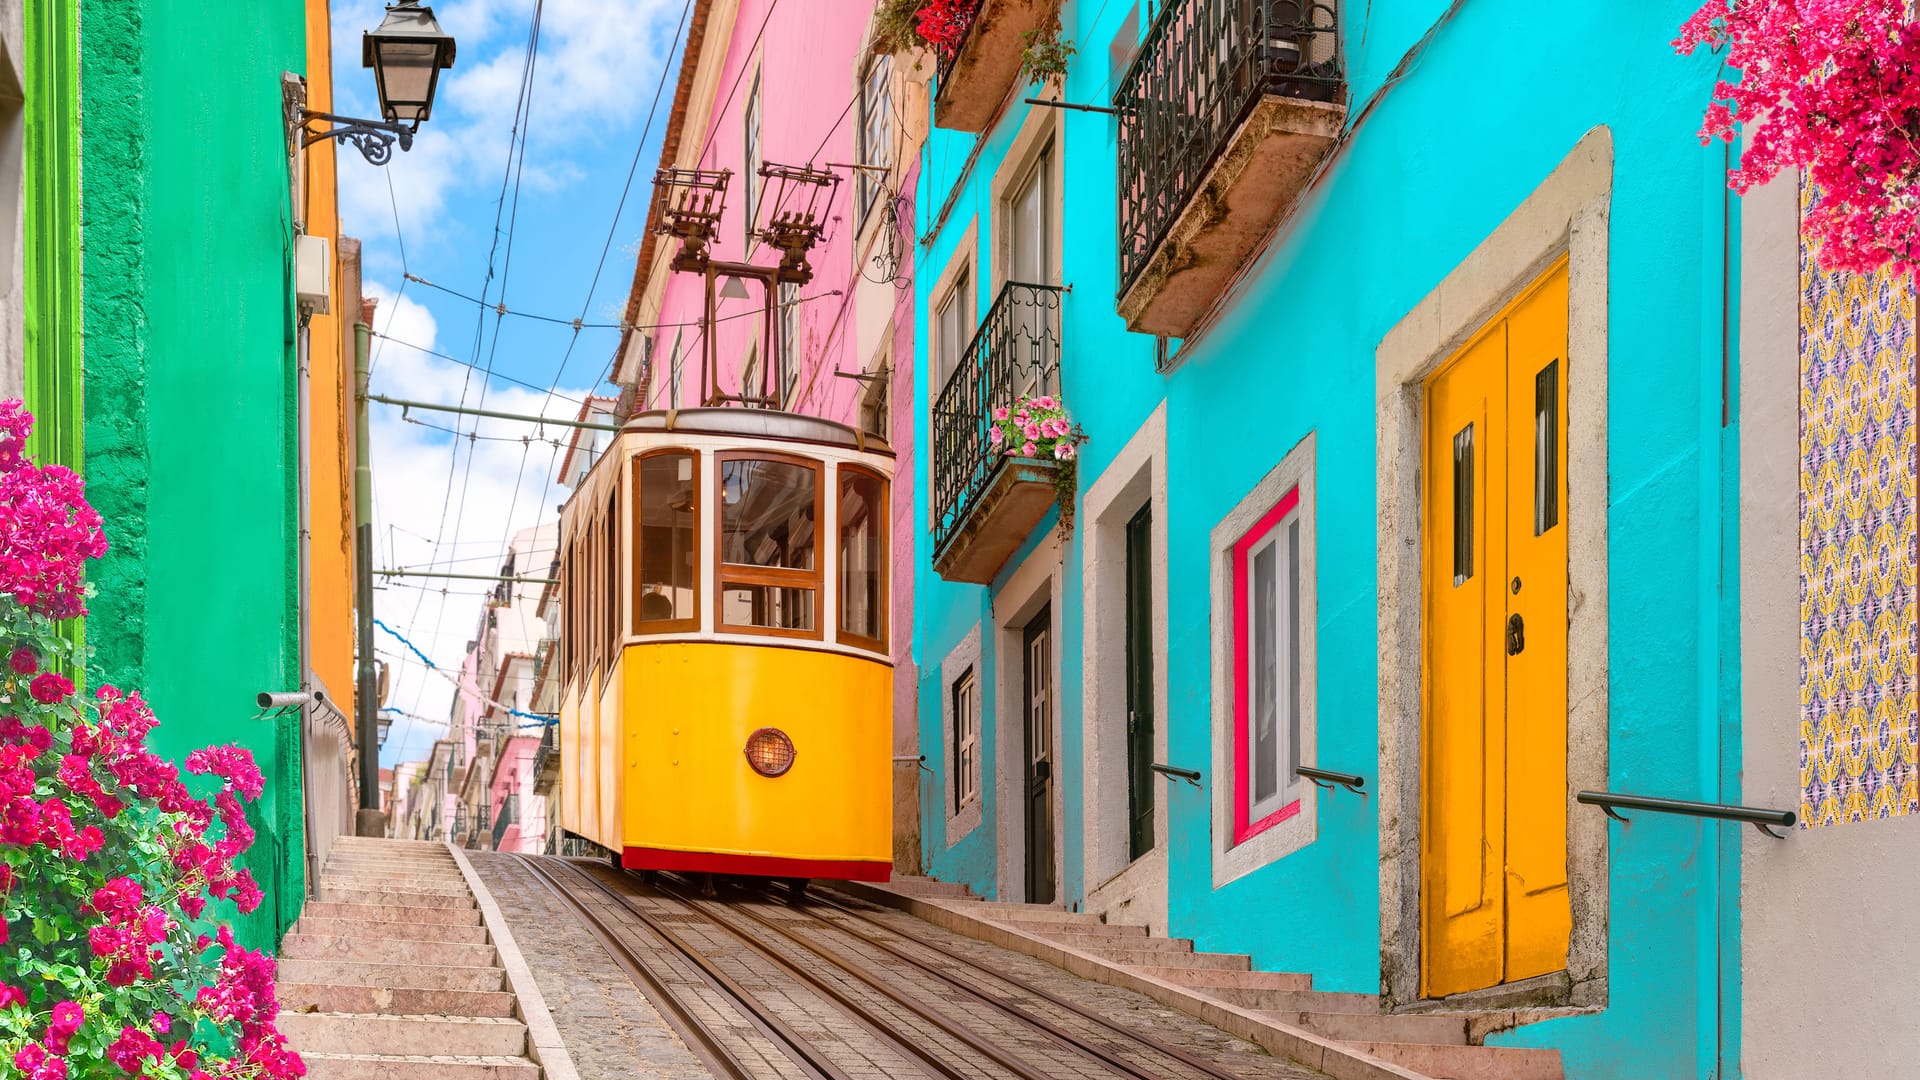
(727,682)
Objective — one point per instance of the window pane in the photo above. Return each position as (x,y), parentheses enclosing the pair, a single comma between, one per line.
(863,554)
(773,606)
(668,554)
(766,514)
(1463,505)
(1546,448)
(1264,656)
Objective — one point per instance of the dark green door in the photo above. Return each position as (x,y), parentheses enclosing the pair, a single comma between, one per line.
(1140,683)
(1037,682)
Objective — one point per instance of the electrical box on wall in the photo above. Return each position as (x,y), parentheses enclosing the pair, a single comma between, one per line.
(313,273)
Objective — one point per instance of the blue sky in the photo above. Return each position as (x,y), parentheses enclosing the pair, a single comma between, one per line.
(439,497)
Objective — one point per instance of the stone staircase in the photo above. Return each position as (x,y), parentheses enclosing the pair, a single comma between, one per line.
(1222,989)
(390,973)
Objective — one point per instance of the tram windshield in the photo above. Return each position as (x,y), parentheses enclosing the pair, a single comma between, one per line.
(666,593)
(768,538)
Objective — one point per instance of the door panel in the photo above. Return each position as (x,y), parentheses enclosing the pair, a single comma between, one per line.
(1037,684)
(1539,914)
(1140,838)
(1495,903)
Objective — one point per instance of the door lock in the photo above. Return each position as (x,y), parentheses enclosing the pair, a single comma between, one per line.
(1516,634)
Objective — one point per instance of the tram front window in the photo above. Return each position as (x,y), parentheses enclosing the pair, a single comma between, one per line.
(770,577)
(863,558)
(666,491)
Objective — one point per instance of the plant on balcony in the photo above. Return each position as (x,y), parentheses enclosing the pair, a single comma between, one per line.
(1045,53)
(1037,427)
(109,964)
(1827,86)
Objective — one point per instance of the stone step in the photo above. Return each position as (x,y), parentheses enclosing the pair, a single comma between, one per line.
(365,949)
(1060,928)
(384,913)
(1378,1027)
(929,887)
(422,1036)
(360,973)
(1264,998)
(395,885)
(383,898)
(392,930)
(1099,939)
(409,869)
(1469,1062)
(1135,957)
(1024,914)
(381,843)
(388,1000)
(1207,979)
(396,1067)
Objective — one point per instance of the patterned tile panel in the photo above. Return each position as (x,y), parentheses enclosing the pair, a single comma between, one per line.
(1859,733)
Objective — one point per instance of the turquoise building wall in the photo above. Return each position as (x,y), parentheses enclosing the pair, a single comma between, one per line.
(188,334)
(1458,112)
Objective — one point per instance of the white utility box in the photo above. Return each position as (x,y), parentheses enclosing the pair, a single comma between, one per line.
(313,273)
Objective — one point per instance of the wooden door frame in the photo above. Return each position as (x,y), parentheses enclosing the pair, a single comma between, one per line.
(1566,215)
(1036,583)
(1040,626)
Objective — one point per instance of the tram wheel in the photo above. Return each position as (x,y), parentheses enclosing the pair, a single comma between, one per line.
(796,891)
(613,860)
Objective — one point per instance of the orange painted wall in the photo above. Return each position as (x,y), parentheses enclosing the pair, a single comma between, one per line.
(330,357)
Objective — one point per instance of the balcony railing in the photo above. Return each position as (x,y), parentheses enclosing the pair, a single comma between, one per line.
(967,14)
(509,813)
(1201,72)
(1015,353)
(546,759)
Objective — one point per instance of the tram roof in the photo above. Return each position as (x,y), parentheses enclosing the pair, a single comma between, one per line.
(759,424)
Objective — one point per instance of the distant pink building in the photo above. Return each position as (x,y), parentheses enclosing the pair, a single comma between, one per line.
(786,88)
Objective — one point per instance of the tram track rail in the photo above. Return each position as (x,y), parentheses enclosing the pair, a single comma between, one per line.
(782,945)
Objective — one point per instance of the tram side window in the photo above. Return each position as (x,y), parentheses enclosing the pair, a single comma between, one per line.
(609,579)
(863,558)
(666,556)
(769,574)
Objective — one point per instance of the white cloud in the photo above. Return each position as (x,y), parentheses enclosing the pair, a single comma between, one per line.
(598,60)
(507,486)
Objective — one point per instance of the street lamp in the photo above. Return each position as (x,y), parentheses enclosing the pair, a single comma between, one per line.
(406,54)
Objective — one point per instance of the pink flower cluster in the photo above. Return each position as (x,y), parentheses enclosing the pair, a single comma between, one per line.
(1831,87)
(47,529)
(1035,427)
(129,934)
(943,24)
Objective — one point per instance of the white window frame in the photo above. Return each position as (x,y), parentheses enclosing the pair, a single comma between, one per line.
(876,148)
(1234,856)
(1281,537)
(963,816)
(752,153)
(673,373)
(966,737)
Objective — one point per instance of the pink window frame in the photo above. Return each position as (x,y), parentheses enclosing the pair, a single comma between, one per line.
(1244,830)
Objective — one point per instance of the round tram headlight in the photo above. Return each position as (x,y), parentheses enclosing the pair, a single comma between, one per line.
(770,752)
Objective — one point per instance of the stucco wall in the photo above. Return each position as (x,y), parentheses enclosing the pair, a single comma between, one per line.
(1820,911)
(1446,151)
(190,407)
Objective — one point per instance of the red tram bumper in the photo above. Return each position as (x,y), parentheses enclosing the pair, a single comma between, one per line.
(768,866)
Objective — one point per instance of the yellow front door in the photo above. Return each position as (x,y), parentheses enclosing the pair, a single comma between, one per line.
(1494,831)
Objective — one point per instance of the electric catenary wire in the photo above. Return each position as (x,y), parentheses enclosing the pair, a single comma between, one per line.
(543,720)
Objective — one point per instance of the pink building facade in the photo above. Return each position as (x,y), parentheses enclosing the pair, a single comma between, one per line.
(798,86)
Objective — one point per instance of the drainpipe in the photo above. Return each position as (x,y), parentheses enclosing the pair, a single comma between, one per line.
(303,351)
(369,821)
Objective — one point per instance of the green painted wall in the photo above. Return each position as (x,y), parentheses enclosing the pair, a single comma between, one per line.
(189,333)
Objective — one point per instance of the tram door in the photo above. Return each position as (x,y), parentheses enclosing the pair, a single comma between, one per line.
(1037,686)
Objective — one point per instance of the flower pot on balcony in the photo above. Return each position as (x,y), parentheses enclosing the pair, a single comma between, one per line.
(975,76)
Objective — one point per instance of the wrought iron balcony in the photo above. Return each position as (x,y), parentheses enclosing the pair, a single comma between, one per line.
(985,502)
(508,815)
(546,760)
(976,73)
(1224,116)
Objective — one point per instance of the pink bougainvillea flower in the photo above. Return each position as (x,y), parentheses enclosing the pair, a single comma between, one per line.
(66,1020)
(1000,413)
(11,995)
(1028,450)
(995,436)
(24,661)
(51,687)
(1063,451)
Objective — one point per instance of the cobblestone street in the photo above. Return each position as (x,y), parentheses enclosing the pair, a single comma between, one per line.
(612,1028)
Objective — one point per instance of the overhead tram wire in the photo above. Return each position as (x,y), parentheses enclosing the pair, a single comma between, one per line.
(463,363)
(714,127)
(400,239)
(606,248)
(515,135)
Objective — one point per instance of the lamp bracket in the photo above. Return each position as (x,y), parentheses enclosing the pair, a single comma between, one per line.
(373,138)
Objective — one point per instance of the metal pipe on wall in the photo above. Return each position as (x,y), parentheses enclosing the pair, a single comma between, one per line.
(369,821)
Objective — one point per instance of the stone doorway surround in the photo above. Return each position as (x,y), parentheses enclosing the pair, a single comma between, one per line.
(1034,584)
(1568,213)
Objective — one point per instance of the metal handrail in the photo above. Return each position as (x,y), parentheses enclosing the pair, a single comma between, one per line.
(1202,68)
(1191,776)
(1764,820)
(1016,348)
(1327,778)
